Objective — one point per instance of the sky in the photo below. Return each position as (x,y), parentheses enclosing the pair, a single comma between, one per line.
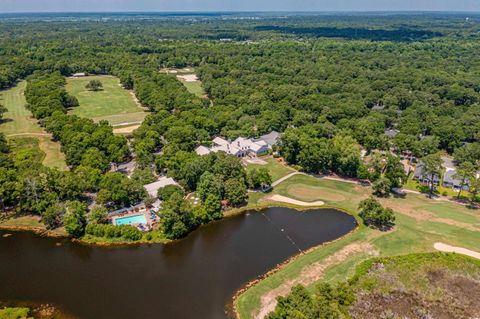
(235,5)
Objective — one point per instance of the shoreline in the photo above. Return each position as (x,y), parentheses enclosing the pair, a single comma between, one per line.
(233,303)
(230,213)
(231,308)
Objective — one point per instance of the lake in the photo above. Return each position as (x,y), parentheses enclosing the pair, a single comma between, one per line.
(192,278)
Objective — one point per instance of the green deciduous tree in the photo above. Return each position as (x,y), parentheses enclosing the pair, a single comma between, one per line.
(98,215)
(3,110)
(432,165)
(382,187)
(235,191)
(94,85)
(74,219)
(374,215)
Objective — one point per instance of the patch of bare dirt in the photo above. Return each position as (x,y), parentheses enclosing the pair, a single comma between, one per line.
(309,275)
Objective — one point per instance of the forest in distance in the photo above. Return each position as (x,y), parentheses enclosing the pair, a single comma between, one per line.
(329,96)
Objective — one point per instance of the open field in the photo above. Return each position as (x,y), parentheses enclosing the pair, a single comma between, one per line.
(18,122)
(113,104)
(420,224)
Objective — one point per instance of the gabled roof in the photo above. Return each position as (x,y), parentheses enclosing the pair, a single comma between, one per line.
(450,179)
(419,173)
(271,138)
(391,133)
(220,141)
(202,150)
(153,188)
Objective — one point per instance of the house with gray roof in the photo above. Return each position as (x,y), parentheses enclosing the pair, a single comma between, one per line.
(272,138)
(420,175)
(450,180)
(391,133)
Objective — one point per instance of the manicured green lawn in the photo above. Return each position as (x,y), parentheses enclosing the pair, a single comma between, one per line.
(18,122)
(420,223)
(113,103)
(276,169)
(194,88)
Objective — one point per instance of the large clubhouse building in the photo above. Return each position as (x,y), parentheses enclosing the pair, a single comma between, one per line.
(241,146)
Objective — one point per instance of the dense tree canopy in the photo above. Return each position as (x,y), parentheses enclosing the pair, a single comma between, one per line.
(330,91)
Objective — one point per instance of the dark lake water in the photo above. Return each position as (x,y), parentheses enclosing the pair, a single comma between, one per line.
(192,278)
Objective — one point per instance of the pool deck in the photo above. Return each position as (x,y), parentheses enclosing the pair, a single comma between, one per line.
(134,211)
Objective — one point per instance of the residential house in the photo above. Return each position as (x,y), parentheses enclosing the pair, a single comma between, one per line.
(420,175)
(272,138)
(449,180)
(391,133)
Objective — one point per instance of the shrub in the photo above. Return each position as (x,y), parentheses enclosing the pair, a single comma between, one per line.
(376,216)
(130,233)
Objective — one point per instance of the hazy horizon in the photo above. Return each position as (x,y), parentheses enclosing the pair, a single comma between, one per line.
(158,6)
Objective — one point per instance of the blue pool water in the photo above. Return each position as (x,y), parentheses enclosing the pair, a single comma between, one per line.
(129,220)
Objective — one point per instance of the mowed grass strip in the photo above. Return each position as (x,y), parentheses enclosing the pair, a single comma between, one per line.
(19,123)
(414,232)
(194,87)
(18,120)
(113,104)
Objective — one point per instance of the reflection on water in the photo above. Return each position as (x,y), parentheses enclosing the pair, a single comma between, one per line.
(192,278)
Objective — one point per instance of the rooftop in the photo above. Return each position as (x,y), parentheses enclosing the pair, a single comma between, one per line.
(153,188)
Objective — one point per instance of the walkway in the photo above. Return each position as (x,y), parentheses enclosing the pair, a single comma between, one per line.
(284,178)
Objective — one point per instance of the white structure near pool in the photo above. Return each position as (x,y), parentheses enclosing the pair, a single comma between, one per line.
(140,215)
(152,189)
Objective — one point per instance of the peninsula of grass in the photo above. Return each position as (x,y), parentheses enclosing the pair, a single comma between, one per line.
(113,103)
(18,123)
(420,222)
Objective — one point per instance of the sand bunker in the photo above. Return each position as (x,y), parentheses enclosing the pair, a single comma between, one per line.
(283,199)
(188,77)
(459,250)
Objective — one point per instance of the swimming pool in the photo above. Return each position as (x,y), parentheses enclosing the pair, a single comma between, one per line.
(129,220)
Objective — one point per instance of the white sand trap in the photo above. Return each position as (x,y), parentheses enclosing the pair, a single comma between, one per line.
(283,199)
(459,250)
(188,77)
(124,130)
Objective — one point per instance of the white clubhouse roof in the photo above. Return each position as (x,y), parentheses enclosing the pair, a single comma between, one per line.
(153,188)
